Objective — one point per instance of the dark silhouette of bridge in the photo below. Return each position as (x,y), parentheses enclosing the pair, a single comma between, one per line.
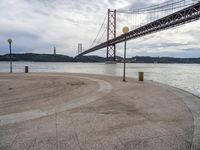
(187,12)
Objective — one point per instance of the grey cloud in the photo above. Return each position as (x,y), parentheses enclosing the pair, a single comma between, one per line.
(165,45)
(182,54)
(72,20)
(191,50)
(137,4)
(22,41)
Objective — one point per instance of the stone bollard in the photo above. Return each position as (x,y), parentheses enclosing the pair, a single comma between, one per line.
(26,69)
(141,76)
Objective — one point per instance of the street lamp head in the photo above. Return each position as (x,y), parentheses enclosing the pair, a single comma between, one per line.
(125,29)
(9,41)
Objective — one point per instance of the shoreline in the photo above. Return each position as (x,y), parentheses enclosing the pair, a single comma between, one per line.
(176,63)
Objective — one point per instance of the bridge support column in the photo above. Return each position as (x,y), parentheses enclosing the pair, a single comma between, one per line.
(111,33)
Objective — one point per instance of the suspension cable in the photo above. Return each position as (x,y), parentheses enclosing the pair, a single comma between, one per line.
(159,7)
(102,25)
(102,36)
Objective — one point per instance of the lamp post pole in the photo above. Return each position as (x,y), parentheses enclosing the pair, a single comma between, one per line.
(125,30)
(124,75)
(10,42)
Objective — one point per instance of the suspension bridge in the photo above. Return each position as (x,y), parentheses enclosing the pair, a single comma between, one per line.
(145,21)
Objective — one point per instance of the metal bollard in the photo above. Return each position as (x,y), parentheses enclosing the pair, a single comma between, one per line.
(141,76)
(26,69)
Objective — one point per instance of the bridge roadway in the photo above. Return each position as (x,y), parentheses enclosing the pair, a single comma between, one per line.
(186,15)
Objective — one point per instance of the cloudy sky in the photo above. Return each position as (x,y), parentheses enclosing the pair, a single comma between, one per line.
(38,25)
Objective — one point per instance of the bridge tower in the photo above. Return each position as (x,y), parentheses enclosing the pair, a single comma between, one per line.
(80,48)
(54,50)
(111,33)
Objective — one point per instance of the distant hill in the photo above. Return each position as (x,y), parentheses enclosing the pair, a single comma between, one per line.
(50,58)
(93,58)
(147,59)
(37,57)
(4,58)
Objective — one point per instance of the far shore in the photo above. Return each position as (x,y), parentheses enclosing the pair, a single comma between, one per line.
(33,57)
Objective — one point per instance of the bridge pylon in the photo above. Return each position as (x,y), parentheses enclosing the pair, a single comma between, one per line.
(111,34)
(80,48)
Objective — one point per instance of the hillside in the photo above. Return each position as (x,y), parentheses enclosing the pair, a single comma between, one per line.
(93,59)
(38,57)
(141,59)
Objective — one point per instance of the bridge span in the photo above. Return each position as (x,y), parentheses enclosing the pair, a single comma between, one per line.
(183,16)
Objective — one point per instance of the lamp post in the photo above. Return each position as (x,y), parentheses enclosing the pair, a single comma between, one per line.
(125,30)
(10,42)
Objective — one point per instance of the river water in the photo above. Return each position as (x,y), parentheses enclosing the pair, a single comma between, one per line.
(183,76)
